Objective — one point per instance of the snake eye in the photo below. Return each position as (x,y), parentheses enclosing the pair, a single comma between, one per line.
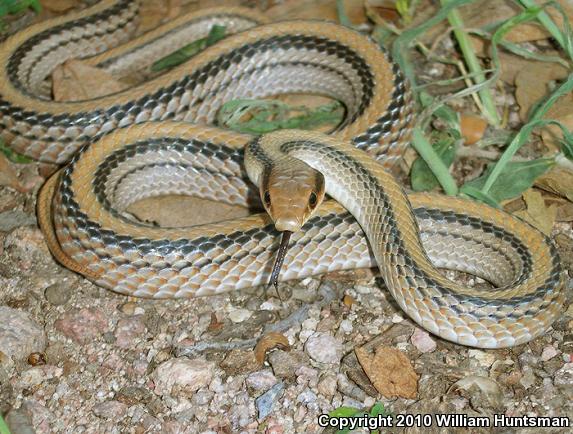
(267,198)
(312,199)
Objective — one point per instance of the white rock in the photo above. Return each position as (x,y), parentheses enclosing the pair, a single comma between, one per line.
(422,341)
(324,348)
(484,359)
(240,315)
(548,353)
(182,376)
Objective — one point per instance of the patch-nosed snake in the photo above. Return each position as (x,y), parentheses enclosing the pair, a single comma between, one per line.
(152,139)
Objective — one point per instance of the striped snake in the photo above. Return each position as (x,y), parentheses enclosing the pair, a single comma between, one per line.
(153,139)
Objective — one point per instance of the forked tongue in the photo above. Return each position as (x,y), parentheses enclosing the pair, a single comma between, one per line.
(283,248)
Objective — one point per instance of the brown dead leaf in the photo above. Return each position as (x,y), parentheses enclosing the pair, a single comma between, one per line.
(537,213)
(382,11)
(8,176)
(390,371)
(153,13)
(558,181)
(317,9)
(532,84)
(215,324)
(268,342)
(60,6)
(561,111)
(76,81)
(472,128)
(176,211)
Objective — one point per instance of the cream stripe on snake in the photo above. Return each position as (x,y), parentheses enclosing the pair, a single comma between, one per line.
(82,208)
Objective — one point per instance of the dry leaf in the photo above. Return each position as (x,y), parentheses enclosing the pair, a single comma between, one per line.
(215,324)
(8,176)
(268,342)
(538,214)
(382,11)
(317,9)
(348,301)
(76,81)
(472,128)
(60,6)
(176,211)
(558,181)
(390,371)
(532,85)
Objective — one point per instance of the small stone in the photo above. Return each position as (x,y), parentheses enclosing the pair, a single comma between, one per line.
(564,376)
(345,326)
(307,397)
(327,386)
(548,353)
(260,381)
(58,293)
(238,362)
(422,341)
(131,395)
(19,334)
(285,364)
(82,326)
(483,358)
(527,379)
(110,410)
(128,308)
(324,348)
(240,315)
(396,318)
(182,376)
(128,330)
(37,375)
(266,401)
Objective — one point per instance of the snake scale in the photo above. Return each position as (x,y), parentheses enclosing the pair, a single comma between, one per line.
(159,137)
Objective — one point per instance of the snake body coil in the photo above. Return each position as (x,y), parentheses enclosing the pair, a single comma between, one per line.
(82,208)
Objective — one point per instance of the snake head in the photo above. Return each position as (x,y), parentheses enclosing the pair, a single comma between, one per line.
(291,192)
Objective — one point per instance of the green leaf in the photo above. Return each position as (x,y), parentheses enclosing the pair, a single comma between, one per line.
(185,53)
(3,427)
(13,156)
(344,412)
(377,409)
(515,178)
(422,177)
(264,116)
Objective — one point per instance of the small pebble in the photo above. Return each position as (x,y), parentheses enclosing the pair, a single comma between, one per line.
(128,331)
(266,401)
(324,348)
(548,353)
(182,376)
(327,386)
(240,315)
(260,381)
(58,293)
(396,318)
(484,359)
(19,334)
(84,325)
(422,341)
(110,410)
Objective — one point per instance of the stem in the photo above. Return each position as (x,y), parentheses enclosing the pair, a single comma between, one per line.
(436,165)
(473,63)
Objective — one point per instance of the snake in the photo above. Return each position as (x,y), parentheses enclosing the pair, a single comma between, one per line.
(159,136)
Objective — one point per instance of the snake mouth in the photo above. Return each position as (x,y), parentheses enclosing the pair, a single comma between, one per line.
(283,248)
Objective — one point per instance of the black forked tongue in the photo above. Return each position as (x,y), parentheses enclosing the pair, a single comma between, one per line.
(283,248)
